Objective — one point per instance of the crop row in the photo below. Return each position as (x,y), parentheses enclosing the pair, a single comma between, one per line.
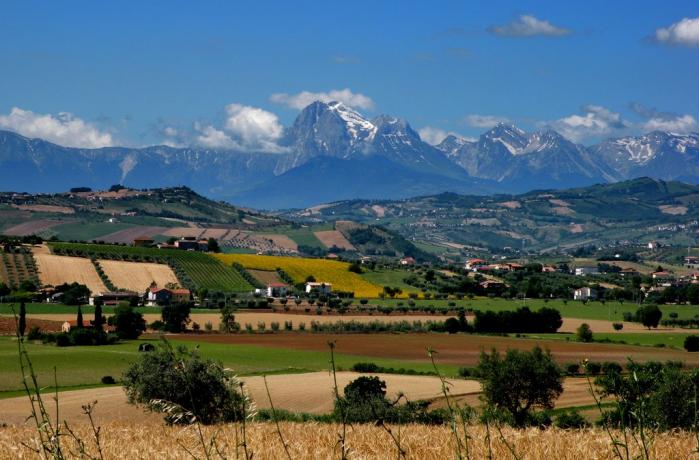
(195,270)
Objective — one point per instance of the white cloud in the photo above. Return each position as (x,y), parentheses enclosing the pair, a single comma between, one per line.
(213,138)
(254,127)
(432,135)
(484,121)
(169,131)
(677,124)
(245,128)
(656,120)
(684,33)
(304,98)
(63,128)
(594,122)
(528,25)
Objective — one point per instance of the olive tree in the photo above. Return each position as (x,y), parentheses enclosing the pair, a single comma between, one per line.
(184,386)
(519,381)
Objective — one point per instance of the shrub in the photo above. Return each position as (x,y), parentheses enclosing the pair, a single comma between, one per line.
(592,368)
(35,334)
(108,380)
(452,326)
(181,384)
(584,333)
(157,325)
(370,368)
(618,326)
(572,369)
(570,420)
(691,343)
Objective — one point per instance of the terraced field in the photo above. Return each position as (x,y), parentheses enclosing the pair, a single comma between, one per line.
(194,269)
(329,271)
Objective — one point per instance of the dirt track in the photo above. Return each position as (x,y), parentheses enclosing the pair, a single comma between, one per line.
(311,392)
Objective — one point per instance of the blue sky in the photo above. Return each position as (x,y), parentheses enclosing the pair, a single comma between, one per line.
(181,72)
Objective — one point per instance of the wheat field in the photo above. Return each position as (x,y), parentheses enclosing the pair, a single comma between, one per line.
(319,441)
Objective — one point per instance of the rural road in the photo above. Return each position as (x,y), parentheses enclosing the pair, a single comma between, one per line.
(309,392)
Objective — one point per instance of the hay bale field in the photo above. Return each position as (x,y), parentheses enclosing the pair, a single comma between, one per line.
(137,276)
(315,440)
(55,270)
(332,238)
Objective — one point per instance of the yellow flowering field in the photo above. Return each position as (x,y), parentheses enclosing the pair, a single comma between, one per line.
(330,271)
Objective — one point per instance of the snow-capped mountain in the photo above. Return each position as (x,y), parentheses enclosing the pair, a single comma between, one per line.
(333,129)
(381,157)
(658,154)
(509,155)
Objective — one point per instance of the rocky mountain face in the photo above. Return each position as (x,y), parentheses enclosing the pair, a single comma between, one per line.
(382,157)
(657,154)
(522,161)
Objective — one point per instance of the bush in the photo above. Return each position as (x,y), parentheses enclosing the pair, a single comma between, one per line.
(570,420)
(108,380)
(584,333)
(691,343)
(618,326)
(35,334)
(592,368)
(572,369)
(369,368)
(181,384)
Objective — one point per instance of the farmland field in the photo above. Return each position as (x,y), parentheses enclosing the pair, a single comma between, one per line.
(55,270)
(203,270)
(299,269)
(388,277)
(335,238)
(139,439)
(137,276)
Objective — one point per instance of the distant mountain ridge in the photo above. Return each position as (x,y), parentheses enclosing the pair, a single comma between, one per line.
(383,157)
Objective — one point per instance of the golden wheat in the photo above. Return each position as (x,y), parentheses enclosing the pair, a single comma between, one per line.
(312,440)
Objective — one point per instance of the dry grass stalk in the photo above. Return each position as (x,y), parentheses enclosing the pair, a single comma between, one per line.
(313,440)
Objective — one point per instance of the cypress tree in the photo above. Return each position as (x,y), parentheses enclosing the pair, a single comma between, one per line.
(80,324)
(99,320)
(22,326)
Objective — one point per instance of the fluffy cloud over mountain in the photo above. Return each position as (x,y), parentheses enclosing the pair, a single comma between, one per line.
(346,96)
(63,128)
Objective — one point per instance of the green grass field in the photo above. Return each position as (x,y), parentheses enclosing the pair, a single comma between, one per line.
(393,278)
(668,339)
(612,311)
(87,230)
(77,366)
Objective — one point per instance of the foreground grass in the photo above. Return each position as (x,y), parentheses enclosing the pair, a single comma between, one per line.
(87,365)
(313,440)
